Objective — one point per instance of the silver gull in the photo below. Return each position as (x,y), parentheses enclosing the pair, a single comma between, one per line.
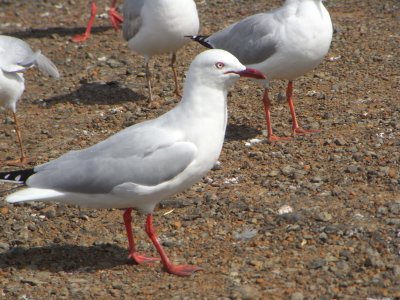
(148,162)
(157,27)
(16,56)
(285,43)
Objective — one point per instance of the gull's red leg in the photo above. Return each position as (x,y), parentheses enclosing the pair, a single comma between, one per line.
(138,258)
(148,78)
(180,270)
(296,129)
(115,18)
(267,105)
(23,159)
(173,61)
(83,37)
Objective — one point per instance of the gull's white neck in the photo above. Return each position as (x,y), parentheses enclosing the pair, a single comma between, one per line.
(168,8)
(205,102)
(307,8)
(203,112)
(201,98)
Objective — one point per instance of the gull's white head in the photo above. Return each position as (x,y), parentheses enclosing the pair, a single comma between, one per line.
(219,69)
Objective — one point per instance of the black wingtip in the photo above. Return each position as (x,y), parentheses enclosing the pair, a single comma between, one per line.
(20,176)
(201,39)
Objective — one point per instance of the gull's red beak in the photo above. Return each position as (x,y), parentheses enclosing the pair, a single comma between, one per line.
(251,73)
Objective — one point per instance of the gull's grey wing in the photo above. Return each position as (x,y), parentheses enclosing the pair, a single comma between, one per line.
(16,56)
(132,19)
(251,40)
(140,154)
(46,65)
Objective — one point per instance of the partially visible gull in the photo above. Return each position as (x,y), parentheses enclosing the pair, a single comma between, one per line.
(15,57)
(285,43)
(158,27)
(115,18)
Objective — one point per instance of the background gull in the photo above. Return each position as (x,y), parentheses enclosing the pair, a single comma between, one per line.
(15,57)
(148,162)
(115,19)
(285,43)
(157,27)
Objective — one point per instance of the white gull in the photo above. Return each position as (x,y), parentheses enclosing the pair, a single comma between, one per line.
(148,162)
(157,27)
(285,43)
(16,56)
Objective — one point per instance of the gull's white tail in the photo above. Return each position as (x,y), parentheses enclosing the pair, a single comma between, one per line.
(32,194)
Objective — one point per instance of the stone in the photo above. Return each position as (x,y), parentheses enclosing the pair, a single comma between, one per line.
(317,264)
(297,296)
(323,217)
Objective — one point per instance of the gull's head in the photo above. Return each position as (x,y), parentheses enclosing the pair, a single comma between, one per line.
(220,69)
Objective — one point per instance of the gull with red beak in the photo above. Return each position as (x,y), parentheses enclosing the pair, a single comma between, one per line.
(284,43)
(147,162)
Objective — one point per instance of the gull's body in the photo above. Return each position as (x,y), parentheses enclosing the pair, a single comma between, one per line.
(285,43)
(148,162)
(115,19)
(157,27)
(15,57)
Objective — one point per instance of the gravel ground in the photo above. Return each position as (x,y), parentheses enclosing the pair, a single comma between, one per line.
(316,217)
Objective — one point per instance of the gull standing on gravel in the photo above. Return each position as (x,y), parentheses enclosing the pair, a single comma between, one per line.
(158,27)
(148,162)
(15,57)
(285,43)
(115,18)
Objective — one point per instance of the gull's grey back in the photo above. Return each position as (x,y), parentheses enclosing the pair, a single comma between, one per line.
(250,40)
(141,154)
(132,19)
(14,52)
(16,55)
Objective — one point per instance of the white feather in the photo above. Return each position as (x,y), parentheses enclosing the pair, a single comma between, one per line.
(32,194)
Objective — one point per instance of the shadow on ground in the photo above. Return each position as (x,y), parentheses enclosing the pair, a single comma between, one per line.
(240,132)
(69,258)
(98,93)
(61,31)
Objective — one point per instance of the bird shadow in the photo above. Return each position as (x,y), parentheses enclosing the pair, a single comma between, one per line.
(68,258)
(60,31)
(240,132)
(97,93)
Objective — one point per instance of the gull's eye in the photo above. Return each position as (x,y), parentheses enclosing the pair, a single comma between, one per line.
(219,65)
